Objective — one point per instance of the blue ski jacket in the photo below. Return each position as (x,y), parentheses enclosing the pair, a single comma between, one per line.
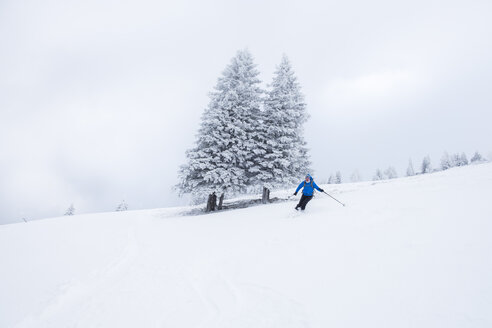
(308,187)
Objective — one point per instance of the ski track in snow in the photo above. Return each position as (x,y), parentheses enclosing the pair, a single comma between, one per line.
(74,294)
(246,305)
(78,303)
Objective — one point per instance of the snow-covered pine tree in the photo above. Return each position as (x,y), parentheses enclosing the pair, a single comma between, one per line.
(355,177)
(410,170)
(70,210)
(225,149)
(331,179)
(123,206)
(281,153)
(378,175)
(390,173)
(477,158)
(463,159)
(445,161)
(455,160)
(338,177)
(426,165)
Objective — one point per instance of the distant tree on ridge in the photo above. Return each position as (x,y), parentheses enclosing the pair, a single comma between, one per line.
(426,165)
(378,175)
(70,210)
(477,157)
(338,177)
(445,161)
(123,206)
(355,177)
(390,173)
(410,170)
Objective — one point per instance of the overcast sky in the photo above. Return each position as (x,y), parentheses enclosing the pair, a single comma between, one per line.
(100,99)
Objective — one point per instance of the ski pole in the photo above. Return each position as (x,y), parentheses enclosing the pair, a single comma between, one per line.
(334,198)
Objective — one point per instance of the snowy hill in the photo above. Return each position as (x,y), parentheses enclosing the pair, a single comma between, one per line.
(410,252)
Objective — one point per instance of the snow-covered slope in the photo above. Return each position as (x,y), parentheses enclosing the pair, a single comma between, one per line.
(411,252)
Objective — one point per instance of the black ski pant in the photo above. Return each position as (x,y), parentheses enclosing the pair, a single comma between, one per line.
(303,202)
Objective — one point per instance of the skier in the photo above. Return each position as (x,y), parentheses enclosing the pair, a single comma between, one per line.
(308,186)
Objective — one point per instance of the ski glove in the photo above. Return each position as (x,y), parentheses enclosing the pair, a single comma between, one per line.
(295,194)
(321,190)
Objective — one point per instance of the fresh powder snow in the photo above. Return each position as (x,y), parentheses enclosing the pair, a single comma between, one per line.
(407,252)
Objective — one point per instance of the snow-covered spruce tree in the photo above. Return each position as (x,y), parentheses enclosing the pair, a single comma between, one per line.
(331,179)
(281,156)
(463,159)
(410,170)
(477,158)
(338,177)
(445,161)
(459,160)
(123,206)
(70,210)
(426,165)
(390,173)
(455,160)
(355,177)
(378,175)
(225,147)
